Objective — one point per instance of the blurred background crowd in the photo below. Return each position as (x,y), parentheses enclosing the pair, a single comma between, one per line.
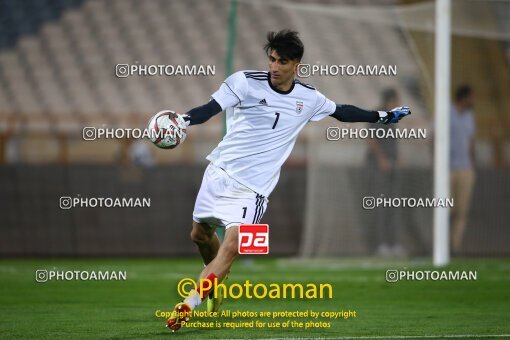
(57,76)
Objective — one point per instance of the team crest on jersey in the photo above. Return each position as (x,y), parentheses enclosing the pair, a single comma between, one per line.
(299,106)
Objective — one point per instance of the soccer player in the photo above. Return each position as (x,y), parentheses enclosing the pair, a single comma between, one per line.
(265,112)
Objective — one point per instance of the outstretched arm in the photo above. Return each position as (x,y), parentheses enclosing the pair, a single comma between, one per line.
(230,94)
(201,114)
(354,114)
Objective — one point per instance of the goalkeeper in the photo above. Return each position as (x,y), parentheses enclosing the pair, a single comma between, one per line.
(265,112)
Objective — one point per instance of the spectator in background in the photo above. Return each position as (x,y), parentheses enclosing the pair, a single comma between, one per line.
(382,158)
(462,157)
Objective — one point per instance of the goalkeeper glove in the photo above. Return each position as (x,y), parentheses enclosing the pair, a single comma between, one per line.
(393,116)
(187,119)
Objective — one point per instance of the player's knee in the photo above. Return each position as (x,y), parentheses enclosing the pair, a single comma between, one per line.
(231,253)
(231,248)
(200,236)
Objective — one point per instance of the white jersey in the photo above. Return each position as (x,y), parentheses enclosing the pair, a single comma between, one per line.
(262,126)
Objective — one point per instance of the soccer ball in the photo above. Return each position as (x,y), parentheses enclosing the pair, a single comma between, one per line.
(167,129)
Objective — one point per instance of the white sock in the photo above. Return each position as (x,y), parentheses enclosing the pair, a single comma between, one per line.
(193,299)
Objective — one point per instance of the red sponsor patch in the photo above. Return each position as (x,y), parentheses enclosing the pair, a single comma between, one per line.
(254,239)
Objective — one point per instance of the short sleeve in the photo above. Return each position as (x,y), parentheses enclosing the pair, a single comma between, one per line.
(323,107)
(233,91)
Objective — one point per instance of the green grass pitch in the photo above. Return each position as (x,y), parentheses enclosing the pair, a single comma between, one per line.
(126,309)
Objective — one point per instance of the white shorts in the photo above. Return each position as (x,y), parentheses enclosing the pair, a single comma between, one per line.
(224,202)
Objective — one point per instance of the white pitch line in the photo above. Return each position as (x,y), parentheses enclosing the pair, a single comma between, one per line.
(449,336)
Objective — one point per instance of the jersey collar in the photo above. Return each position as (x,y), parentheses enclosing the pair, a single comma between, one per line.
(279,91)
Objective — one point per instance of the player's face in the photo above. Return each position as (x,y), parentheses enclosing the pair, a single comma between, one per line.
(282,71)
(469,102)
(466,103)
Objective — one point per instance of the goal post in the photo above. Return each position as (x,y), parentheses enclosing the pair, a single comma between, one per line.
(441,252)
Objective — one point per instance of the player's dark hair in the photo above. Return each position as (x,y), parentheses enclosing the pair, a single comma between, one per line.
(286,43)
(463,91)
